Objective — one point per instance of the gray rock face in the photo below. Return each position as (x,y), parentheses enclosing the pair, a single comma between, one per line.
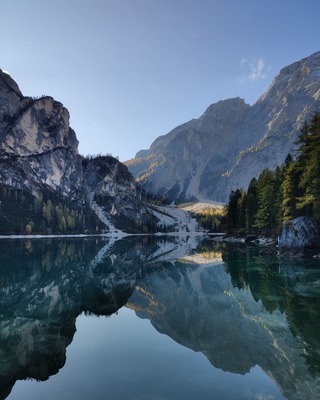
(300,233)
(37,146)
(39,151)
(111,189)
(10,98)
(231,142)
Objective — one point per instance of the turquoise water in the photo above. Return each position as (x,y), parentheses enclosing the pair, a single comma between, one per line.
(156,318)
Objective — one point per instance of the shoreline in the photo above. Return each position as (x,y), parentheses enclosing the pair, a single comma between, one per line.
(119,234)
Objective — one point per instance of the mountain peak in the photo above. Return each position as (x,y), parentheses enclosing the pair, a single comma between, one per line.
(232,142)
(219,115)
(311,61)
(300,76)
(55,189)
(7,84)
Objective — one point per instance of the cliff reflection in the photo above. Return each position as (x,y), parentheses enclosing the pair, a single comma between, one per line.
(45,284)
(239,313)
(238,308)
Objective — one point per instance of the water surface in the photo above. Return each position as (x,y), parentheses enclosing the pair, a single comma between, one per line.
(156,318)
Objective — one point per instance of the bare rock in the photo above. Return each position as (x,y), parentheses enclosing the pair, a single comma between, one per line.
(232,142)
(300,234)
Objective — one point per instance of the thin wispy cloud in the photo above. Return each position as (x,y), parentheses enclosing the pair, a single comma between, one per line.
(256,67)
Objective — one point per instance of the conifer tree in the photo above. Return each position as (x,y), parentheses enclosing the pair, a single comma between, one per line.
(308,162)
(241,210)
(290,191)
(252,205)
(233,210)
(289,188)
(265,216)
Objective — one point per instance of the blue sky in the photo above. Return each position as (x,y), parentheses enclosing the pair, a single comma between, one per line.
(129,71)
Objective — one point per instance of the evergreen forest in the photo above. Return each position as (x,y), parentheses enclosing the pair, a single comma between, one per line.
(46,213)
(277,196)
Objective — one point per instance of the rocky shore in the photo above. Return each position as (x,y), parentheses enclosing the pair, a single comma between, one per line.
(299,237)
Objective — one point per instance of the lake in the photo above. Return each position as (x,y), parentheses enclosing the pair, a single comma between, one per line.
(148,317)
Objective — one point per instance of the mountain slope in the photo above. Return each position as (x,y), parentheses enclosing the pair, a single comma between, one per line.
(46,186)
(232,141)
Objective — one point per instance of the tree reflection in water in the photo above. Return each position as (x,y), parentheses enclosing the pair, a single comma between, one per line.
(238,308)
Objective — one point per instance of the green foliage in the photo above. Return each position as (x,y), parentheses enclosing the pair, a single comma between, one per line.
(44,213)
(278,196)
(265,216)
(252,205)
(290,191)
(308,163)
(211,219)
(233,210)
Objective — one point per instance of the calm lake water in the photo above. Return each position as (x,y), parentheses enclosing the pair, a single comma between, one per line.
(150,318)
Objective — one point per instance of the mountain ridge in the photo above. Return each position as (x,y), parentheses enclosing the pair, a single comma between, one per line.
(193,162)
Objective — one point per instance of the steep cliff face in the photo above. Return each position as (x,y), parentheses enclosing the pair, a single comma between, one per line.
(39,157)
(37,148)
(232,141)
(178,164)
(111,191)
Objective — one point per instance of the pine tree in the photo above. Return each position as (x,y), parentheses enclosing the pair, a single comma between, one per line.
(252,205)
(233,210)
(308,162)
(265,217)
(278,197)
(242,208)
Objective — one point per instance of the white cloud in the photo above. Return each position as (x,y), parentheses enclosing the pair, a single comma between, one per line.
(256,69)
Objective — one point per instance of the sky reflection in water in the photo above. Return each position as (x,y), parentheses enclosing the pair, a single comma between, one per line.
(124,357)
(187,327)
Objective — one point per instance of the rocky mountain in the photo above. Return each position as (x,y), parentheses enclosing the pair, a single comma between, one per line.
(46,186)
(232,141)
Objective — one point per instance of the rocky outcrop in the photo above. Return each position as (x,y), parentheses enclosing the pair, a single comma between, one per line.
(39,158)
(300,235)
(111,191)
(231,142)
(37,146)
(41,142)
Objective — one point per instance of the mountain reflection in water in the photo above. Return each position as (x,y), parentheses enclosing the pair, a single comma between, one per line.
(240,309)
